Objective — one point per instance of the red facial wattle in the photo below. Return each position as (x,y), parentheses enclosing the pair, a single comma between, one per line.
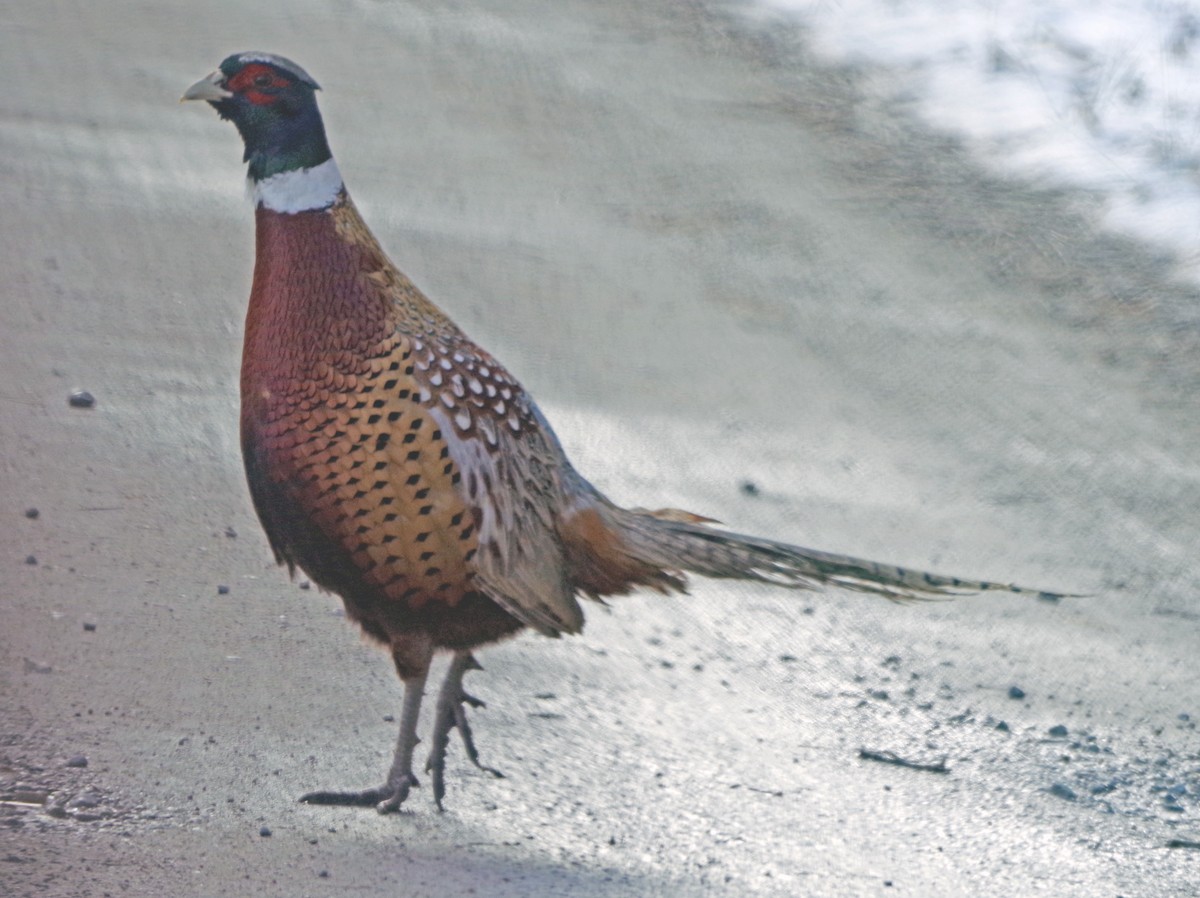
(258,83)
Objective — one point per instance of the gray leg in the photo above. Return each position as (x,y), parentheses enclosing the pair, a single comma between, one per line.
(401,779)
(451,713)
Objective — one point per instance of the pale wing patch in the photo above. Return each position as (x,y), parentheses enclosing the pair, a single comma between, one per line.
(520,561)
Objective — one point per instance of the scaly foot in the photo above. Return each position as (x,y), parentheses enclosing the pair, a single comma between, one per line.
(452,714)
(385,799)
(401,779)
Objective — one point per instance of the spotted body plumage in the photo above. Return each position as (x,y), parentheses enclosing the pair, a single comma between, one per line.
(374,430)
(402,467)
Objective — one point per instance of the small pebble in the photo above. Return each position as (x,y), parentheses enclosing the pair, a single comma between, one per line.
(324,874)
(231,533)
(81,399)
(304,584)
(77,761)
(1058,731)
(32,513)
(1002,727)
(84,800)
(1058,790)
(264,831)
(31,559)
(389,718)
(1016,692)
(222,590)
(749,488)
(89,627)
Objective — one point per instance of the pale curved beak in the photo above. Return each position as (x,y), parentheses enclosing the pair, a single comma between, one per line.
(211,88)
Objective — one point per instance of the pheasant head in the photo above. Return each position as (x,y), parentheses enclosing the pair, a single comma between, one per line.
(273,104)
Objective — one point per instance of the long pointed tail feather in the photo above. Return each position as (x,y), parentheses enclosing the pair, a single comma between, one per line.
(671,544)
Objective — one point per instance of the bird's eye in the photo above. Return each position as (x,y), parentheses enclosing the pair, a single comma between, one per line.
(262,81)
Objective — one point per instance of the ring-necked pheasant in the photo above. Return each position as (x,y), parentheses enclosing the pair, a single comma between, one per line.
(402,467)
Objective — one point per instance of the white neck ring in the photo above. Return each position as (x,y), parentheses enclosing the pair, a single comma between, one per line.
(301,190)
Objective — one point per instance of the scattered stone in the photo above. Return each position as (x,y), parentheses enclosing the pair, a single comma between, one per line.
(880,695)
(32,513)
(389,718)
(230,532)
(1058,731)
(1002,726)
(1016,693)
(749,488)
(84,800)
(222,590)
(324,874)
(1059,790)
(89,627)
(264,831)
(32,666)
(77,761)
(81,399)
(31,559)
(304,584)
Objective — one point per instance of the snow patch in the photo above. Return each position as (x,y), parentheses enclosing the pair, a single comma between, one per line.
(1070,92)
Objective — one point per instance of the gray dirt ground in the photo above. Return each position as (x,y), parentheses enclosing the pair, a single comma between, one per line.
(715,264)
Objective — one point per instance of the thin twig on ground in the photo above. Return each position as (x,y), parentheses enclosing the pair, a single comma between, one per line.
(890,757)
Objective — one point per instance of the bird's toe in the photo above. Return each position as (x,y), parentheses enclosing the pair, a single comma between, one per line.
(385,799)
